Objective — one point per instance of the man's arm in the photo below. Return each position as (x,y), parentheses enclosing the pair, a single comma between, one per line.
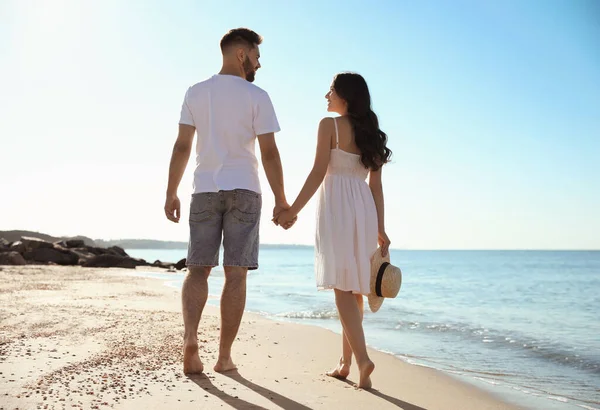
(272,164)
(179,160)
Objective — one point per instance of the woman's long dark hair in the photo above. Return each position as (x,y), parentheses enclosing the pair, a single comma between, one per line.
(371,141)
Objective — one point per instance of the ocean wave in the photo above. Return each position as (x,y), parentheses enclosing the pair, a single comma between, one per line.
(488,381)
(583,406)
(511,380)
(545,350)
(311,314)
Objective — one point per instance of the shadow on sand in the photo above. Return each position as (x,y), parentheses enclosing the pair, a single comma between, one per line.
(285,403)
(396,402)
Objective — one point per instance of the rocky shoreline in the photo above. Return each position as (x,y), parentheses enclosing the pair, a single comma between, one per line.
(70,252)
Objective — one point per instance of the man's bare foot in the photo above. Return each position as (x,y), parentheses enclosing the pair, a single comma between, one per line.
(340,372)
(224,365)
(365,375)
(191,361)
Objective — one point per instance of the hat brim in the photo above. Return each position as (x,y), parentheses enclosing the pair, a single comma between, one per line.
(375,301)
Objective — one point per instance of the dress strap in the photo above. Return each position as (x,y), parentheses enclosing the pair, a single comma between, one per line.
(337,137)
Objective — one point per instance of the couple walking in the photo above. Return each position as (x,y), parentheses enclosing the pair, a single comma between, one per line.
(229,113)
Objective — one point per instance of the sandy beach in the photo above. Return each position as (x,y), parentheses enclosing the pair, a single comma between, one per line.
(73,337)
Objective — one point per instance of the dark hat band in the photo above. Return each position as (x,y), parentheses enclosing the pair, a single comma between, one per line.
(380,278)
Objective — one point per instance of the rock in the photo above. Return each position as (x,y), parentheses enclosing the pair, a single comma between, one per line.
(4,244)
(94,250)
(132,263)
(75,243)
(86,253)
(35,243)
(83,253)
(71,243)
(115,250)
(114,261)
(57,255)
(12,258)
(164,265)
(181,264)
(99,251)
(18,246)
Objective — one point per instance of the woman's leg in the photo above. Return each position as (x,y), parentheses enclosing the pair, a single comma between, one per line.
(351,318)
(342,370)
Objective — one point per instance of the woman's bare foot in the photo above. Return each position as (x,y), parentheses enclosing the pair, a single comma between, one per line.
(224,365)
(365,375)
(341,371)
(191,361)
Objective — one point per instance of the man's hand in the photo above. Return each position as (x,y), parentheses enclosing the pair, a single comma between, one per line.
(173,208)
(279,208)
(286,219)
(179,160)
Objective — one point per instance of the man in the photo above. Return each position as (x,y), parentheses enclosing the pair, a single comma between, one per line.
(228,113)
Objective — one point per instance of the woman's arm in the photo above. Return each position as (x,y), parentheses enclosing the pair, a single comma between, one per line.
(317,174)
(377,190)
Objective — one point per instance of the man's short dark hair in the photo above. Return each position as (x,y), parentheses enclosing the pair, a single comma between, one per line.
(240,36)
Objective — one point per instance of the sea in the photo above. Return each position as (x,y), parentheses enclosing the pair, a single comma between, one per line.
(524,325)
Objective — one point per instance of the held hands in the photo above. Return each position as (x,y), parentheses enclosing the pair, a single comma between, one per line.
(279,208)
(286,219)
(283,217)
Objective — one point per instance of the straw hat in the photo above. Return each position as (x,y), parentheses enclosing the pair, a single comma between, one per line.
(386,280)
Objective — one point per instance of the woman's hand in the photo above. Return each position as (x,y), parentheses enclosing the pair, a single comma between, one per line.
(286,219)
(384,243)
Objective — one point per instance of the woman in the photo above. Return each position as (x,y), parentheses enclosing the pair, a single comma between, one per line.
(350,216)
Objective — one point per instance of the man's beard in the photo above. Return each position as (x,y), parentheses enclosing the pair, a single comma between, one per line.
(249,70)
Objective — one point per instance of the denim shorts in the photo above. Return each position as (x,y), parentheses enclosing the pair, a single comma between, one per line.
(233,216)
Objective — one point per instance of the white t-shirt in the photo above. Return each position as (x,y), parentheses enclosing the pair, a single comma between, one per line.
(228,113)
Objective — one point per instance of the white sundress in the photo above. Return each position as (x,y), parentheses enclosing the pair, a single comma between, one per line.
(346,236)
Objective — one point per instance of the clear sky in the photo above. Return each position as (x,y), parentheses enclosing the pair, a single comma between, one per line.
(492,111)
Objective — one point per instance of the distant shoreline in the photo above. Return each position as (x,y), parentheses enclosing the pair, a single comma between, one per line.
(156,244)
(292,246)
(159,246)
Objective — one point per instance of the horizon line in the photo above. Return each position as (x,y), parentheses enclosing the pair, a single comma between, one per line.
(422,249)
(312,245)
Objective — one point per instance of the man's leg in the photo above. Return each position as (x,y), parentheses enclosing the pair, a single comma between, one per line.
(233,302)
(241,222)
(193,298)
(203,253)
